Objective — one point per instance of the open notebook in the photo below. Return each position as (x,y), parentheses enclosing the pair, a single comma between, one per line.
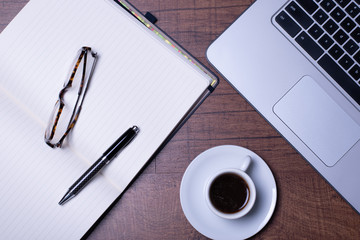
(141,78)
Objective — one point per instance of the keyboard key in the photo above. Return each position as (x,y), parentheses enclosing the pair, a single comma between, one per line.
(325,41)
(352,10)
(356,34)
(341,37)
(340,76)
(299,15)
(351,47)
(338,14)
(315,31)
(330,26)
(357,57)
(289,25)
(336,52)
(348,24)
(343,3)
(309,45)
(309,6)
(358,19)
(328,5)
(346,62)
(355,72)
(320,16)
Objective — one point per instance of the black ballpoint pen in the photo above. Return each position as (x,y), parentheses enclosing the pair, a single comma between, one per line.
(106,158)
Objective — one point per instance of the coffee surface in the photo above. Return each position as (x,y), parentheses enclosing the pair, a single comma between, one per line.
(229,193)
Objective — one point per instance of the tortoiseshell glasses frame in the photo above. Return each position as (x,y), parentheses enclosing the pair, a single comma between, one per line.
(65,115)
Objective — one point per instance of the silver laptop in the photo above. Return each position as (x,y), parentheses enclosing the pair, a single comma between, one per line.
(298,63)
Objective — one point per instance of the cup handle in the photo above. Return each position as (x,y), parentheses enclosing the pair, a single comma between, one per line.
(245,163)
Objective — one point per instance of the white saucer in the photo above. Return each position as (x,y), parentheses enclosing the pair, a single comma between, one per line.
(193,200)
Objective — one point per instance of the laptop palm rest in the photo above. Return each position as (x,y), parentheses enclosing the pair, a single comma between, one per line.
(318,121)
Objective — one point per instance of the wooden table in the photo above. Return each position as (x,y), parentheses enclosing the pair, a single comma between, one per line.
(307,206)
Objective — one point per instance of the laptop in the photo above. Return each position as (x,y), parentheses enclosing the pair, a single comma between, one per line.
(298,64)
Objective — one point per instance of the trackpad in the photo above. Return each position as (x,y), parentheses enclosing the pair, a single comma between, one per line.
(318,121)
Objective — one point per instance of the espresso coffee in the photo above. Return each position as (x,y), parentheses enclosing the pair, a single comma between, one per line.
(229,193)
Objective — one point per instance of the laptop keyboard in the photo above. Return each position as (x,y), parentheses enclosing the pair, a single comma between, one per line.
(329,32)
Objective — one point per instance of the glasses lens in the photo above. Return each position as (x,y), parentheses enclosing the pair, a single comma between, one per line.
(60,123)
(52,133)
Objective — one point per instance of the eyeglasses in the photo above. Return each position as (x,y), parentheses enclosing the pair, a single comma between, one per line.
(68,106)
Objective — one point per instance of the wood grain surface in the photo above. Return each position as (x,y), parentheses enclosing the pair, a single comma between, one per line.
(307,207)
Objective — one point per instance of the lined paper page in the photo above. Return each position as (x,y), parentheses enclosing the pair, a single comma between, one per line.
(34,178)
(139,80)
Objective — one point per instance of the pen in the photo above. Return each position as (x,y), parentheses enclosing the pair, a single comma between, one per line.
(105,159)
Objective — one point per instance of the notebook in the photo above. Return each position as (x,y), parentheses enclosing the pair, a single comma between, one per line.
(298,63)
(141,78)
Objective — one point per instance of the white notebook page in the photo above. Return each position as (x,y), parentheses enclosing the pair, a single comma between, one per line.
(138,81)
(34,178)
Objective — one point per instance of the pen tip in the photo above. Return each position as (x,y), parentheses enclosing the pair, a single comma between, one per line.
(66,198)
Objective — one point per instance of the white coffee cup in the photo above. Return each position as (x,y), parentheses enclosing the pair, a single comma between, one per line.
(230,193)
